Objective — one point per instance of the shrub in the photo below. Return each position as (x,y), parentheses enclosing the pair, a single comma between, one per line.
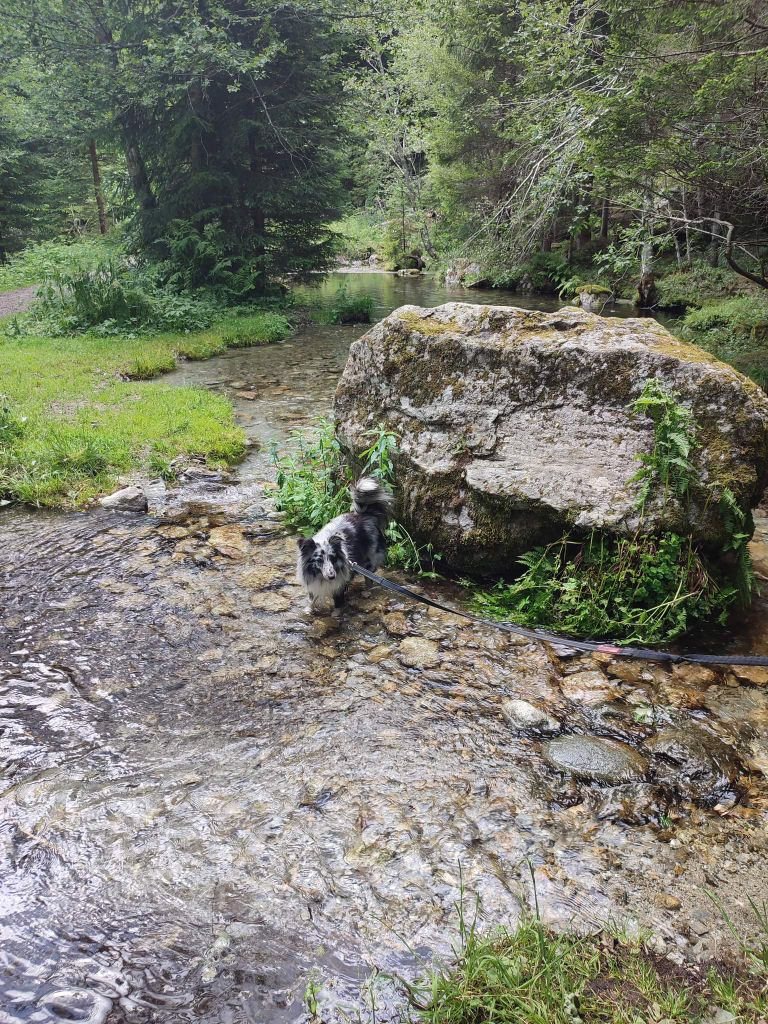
(43,261)
(698,285)
(640,590)
(344,308)
(114,299)
(735,330)
(209,260)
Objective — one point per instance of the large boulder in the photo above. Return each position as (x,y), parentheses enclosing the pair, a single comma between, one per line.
(517,425)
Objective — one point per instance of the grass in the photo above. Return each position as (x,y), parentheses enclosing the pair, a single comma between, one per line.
(342,308)
(40,262)
(76,412)
(533,976)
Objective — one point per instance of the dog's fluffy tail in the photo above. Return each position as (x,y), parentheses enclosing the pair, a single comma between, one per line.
(369,498)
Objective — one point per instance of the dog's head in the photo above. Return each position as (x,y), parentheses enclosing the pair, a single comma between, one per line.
(326,559)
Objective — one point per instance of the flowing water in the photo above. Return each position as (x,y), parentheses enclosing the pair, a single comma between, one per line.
(211,800)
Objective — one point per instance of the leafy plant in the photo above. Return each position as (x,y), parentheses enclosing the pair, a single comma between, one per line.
(112,299)
(669,464)
(313,480)
(344,308)
(639,590)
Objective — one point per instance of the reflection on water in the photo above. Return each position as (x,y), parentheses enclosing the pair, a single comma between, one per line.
(208,797)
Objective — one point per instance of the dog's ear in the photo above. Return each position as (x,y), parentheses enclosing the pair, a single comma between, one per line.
(336,541)
(306,545)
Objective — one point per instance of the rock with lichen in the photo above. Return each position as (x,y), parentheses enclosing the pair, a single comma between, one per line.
(517,425)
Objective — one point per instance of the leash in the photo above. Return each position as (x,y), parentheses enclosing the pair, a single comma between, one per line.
(638,653)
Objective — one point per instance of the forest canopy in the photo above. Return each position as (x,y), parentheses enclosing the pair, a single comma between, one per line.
(236,141)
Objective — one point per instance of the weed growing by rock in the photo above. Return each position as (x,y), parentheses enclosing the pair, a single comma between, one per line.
(313,480)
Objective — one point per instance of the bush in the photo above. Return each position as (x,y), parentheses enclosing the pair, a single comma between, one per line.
(698,285)
(43,261)
(344,308)
(640,590)
(209,260)
(735,330)
(114,299)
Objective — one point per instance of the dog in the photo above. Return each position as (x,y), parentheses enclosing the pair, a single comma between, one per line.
(323,566)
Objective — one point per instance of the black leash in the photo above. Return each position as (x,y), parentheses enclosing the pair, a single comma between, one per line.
(639,653)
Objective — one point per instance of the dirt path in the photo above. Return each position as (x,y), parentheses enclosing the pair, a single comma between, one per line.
(17,301)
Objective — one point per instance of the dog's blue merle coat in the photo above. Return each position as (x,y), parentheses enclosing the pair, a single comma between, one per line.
(357,536)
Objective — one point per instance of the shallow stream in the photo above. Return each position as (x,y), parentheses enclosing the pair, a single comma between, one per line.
(210,800)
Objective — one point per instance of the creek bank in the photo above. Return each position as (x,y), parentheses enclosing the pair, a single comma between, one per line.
(517,426)
(258,798)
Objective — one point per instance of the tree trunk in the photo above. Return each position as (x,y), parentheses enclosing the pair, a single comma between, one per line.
(714,245)
(605,219)
(97,187)
(137,172)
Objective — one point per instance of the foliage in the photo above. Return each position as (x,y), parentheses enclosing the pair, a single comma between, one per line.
(640,590)
(209,259)
(44,260)
(698,285)
(530,974)
(647,589)
(735,330)
(674,438)
(313,481)
(344,308)
(359,234)
(113,299)
(87,421)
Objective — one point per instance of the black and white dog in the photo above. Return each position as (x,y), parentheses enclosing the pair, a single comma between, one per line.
(357,536)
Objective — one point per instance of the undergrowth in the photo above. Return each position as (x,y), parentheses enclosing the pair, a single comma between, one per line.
(313,480)
(640,590)
(735,330)
(343,308)
(44,260)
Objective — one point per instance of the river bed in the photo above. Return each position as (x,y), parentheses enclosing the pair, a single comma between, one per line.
(211,800)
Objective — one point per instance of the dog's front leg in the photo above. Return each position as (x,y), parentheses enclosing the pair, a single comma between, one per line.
(339,598)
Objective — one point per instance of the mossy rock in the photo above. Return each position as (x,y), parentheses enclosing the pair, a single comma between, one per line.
(517,425)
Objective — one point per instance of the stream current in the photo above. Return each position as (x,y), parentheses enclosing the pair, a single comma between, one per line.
(209,800)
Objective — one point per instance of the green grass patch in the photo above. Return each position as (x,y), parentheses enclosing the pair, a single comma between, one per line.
(698,285)
(76,412)
(43,261)
(533,976)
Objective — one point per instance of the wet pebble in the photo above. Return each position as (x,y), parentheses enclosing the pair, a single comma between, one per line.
(521,715)
(693,762)
(416,652)
(595,759)
(587,687)
(270,601)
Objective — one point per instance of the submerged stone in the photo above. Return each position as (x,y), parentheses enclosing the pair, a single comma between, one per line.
(694,763)
(521,715)
(517,425)
(596,760)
